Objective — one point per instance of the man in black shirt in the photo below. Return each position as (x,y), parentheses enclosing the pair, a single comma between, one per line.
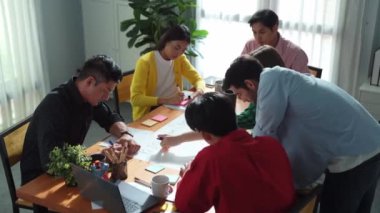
(65,114)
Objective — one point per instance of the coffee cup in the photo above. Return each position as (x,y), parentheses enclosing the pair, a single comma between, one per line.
(231,96)
(218,86)
(160,186)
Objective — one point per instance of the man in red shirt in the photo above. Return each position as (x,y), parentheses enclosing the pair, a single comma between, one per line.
(236,173)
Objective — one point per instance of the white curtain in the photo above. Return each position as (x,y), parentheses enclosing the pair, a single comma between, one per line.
(324,29)
(347,45)
(22,82)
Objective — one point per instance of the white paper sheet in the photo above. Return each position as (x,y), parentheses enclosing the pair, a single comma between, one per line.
(176,156)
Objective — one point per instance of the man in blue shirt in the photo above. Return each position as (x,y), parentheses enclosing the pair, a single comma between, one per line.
(321,127)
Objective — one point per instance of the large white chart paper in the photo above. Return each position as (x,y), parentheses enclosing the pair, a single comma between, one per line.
(177,156)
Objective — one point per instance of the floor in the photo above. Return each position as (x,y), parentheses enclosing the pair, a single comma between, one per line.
(95,133)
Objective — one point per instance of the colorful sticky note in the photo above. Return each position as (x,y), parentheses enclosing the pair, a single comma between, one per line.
(154,168)
(173,179)
(184,102)
(159,118)
(149,122)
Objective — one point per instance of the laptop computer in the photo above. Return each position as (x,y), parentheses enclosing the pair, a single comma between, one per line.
(114,197)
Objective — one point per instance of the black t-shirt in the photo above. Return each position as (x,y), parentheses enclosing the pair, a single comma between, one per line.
(61,117)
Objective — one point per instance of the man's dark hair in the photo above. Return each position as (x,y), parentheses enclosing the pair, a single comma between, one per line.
(243,68)
(212,113)
(267,56)
(174,33)
(267,17)
(103,68)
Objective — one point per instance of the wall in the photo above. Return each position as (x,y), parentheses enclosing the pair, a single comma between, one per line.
(102,34)
(63,42)
(370,39)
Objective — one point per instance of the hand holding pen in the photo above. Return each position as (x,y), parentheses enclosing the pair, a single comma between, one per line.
(168,141)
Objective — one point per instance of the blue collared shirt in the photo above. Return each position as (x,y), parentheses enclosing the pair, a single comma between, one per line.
(316,121)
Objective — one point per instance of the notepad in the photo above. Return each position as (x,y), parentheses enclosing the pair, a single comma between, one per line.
(159,118)
(149,122)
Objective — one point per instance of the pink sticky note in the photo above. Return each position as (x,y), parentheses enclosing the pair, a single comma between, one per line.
(183,102)
(159,118)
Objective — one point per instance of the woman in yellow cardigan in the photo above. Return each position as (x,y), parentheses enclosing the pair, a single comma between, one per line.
(158,74)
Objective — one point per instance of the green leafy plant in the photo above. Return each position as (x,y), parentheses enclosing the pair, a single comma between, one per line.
(61,159)
(152,17)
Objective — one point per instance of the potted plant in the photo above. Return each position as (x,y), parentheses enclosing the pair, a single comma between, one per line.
(153,17)
(61,159)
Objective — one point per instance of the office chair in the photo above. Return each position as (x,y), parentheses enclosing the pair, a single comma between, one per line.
(11,145)
(317,72)
(122,91)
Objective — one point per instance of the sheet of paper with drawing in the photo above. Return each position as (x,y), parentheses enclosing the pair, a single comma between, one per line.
(177,156)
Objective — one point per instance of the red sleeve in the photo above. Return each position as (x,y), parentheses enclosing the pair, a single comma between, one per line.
(196,190)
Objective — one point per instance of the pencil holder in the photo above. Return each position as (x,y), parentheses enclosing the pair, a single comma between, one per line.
(119,171)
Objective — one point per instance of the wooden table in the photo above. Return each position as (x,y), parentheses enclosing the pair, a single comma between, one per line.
(52,192)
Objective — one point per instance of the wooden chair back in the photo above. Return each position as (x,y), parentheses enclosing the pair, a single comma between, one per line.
(122,92)
(307,202)
(11,145)
(316,71)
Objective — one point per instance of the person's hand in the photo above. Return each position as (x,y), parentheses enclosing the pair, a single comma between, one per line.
(184,169)
(168,141)
(116,154)
(197,93)
(130,143)
(176,99)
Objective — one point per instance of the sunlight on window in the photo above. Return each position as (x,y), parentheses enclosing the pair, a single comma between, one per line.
(310,24)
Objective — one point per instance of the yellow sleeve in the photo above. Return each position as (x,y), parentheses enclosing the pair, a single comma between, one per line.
(141,87)
(191,74)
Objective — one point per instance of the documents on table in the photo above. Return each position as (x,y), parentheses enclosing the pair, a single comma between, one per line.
(176,156)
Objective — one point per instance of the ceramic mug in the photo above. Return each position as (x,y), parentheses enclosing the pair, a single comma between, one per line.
(231,96)
(160,186)
(218,86)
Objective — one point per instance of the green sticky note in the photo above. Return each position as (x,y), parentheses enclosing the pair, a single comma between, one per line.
(154,168)
(173,179)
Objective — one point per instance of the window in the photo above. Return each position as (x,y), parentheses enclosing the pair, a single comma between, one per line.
(311,24)
(21,74)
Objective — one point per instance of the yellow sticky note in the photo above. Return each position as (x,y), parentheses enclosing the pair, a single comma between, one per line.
(149,122)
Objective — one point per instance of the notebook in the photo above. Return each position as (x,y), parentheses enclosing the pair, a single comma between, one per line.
(114,197)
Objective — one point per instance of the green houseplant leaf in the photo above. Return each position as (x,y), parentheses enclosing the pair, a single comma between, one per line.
(152,17)
(61,159)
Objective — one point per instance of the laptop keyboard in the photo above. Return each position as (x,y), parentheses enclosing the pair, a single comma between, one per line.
(129,205)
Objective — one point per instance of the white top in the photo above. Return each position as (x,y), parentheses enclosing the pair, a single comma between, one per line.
(165,77)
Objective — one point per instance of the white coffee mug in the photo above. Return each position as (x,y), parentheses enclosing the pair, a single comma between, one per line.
(160,186)
(218,86)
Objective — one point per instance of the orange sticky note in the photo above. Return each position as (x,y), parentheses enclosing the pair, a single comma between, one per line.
(149,122)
